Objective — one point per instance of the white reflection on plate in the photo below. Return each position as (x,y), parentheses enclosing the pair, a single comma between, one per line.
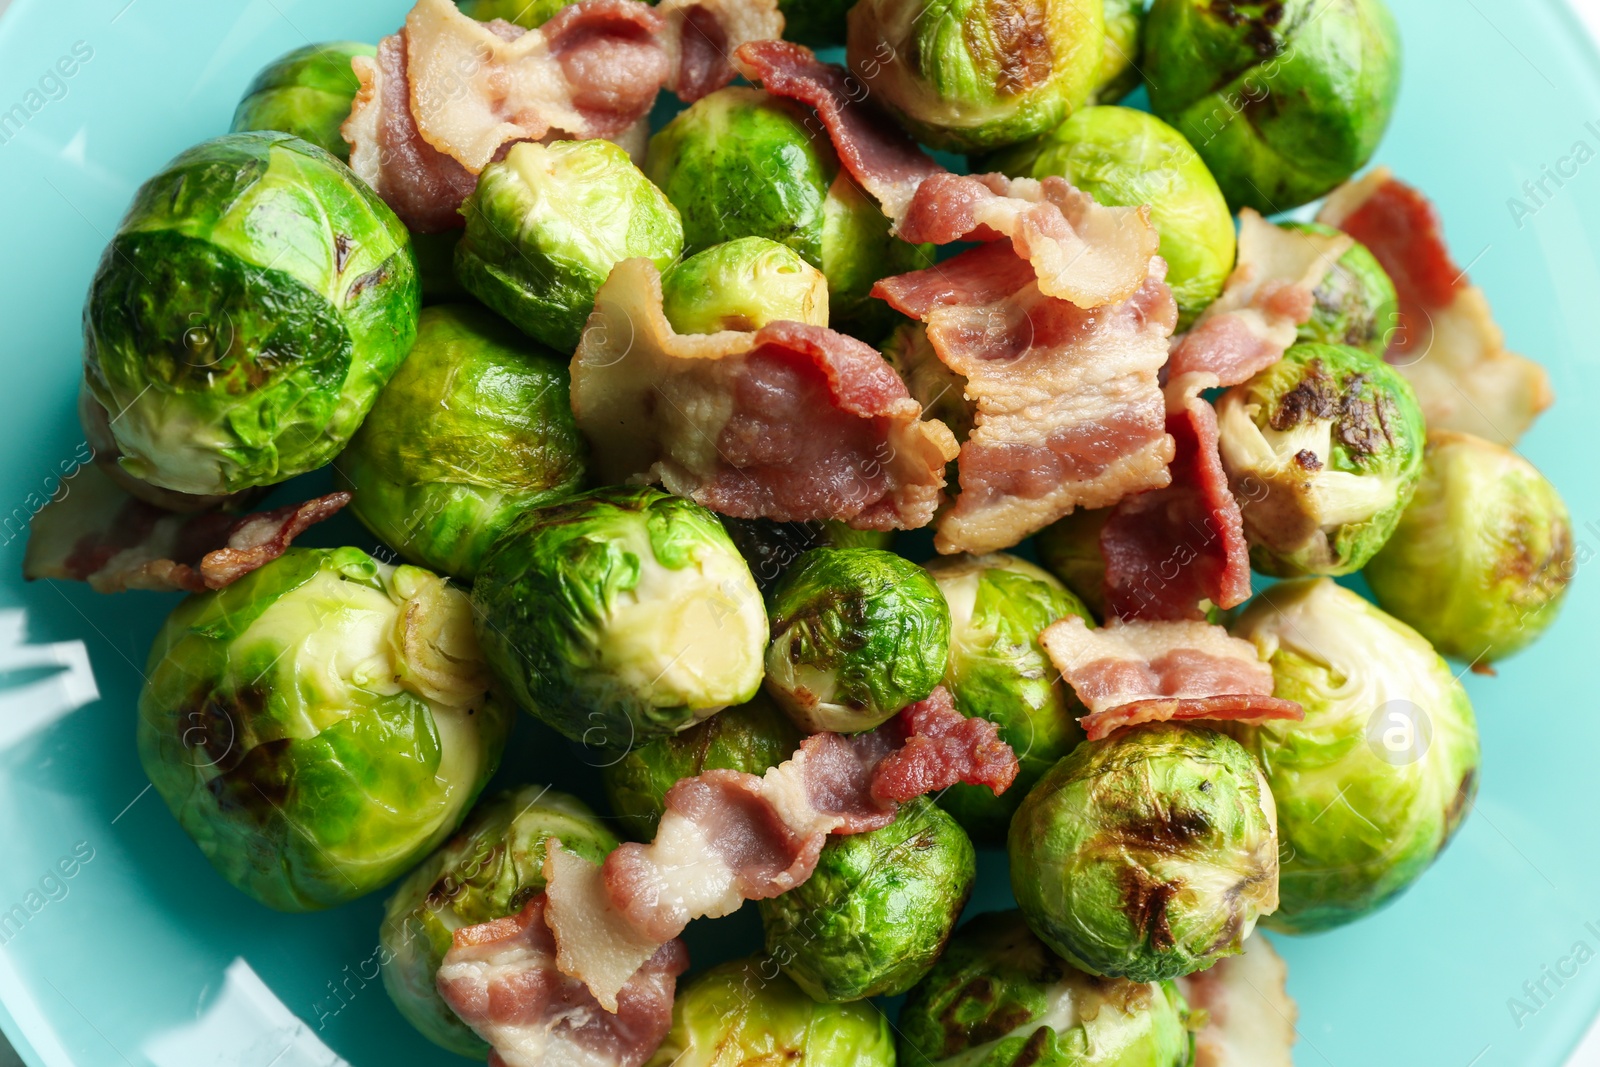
(244,1025)
(29,708)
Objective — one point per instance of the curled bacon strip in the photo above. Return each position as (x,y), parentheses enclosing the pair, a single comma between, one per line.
(728,837)
(97,533)
(1133,672)
(1249,1015)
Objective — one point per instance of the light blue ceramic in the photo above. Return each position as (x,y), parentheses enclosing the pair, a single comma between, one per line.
(144,956)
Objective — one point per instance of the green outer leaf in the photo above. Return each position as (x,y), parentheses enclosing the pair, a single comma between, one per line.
(307,92)
(1356,303)
(1119,71)
(878,909)
(742,284)
(473,430)
(529,14)
(488,870)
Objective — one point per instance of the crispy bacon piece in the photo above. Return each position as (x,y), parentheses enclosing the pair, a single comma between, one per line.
(1168,549)
(97,533)
(1250,1017)
(792,422)
(1068,410)
(727,837)
(500,978)
(1132,672)
(1268,297)
(1448,345)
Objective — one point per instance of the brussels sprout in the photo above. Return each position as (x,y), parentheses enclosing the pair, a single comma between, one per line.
(1355,304)
(1482,558)
(752,737)
(745,1013)
(769,547)
(1000,998)
(743,285)
(1070,549)
(1148,855)
(620,616)
(307,92)
(319,725)
(814,23)
(1283,99)
(529,14)
(489,870)
(876,913)
(1373,783)
(546,225)
(1324,449)
(253,302)
(473,430)
(971,75)
(1119,71)
(1125,157)
(940,390)
(741,163)
(998,671)
(857,635)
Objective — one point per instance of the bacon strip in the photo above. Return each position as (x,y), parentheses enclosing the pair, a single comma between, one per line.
(727,837)
(97,533)
(1132,672)
(793,422)
(1448,345)
(1068,410)
(1250,1017)
(500,978)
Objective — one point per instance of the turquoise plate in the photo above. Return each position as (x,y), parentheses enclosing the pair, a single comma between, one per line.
(142,955)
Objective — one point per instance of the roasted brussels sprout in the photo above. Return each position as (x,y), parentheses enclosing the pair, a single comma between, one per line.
(741,163)
(877,911)
(940,390)
(857,635)
(1373,783)
(1284,99)
(620,616)
(743,284)
(972,75)
(1119,71)
(770,547)
(753,737)
(745,1013)
(999,997)
(1125,157)
(1148,855)
(546,225)
(319,725)
(307,92)
(487,871)
(1355,304)
(997,671)
(1070,549)
(1482,558)
(1324,449)
(237,353)
(473,430)
(529,14)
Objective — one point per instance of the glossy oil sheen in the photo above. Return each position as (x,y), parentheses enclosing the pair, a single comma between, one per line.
(150,958)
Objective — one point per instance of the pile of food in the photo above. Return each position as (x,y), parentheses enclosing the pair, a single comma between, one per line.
(637,419)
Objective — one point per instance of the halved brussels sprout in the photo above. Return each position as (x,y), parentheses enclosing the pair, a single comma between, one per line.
(1284,99)
(743,284)
(1127,158)
(529,14)
(741,163)
(753,737)
(1119,70)
(321,724)
(1371,786)
(473,430)
(999,997)
(546,225)
(877,911)
(1148,855)
(745,1012)
(1324,449)
(1355,304)
(998,606)
(857,635)
(620,616)
(770,547)
(940,390)
(970,75)
(1482,558)
(307,92)
(489,870)
(236,353)
(1070,549)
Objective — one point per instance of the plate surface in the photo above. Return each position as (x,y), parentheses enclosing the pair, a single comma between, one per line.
(144,956)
